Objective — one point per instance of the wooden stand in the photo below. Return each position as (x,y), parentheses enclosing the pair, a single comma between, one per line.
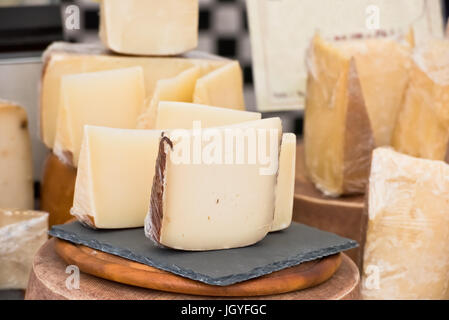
(48,281)
(344,216)
(57,189)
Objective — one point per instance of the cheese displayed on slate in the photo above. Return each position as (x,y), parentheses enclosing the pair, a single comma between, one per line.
(215,204)
(285,185)
(173,115)
(150,27)
(113,98)
(423,126)
(210,89)
(115,173)
(338,138)
(62,59)
(406,252)
(179,88)
(16,168)
(22,233)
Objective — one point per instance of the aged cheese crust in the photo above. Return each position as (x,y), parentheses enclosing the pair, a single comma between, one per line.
(153,221)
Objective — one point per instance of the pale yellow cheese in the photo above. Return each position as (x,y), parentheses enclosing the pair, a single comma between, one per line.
(16,165)
(22,233)
(115,174)
(221,88)
(423,125)
(337,132)
(179,88)
(62,59)
(149,27)
(173,115)
(285,185)
(113,98)
(213,204)
(406,252)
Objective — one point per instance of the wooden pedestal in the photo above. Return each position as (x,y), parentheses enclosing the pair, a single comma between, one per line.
(344,216)
(48,281)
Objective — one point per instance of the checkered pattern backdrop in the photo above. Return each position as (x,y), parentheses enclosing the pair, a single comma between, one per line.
(223,30)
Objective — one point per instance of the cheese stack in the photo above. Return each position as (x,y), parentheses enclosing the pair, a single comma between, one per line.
(354,92)
(406,252)
(16,177)
(423,126)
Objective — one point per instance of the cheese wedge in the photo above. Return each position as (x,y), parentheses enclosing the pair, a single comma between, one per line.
(150,27)
(115,174)
(63,58)
(179,88)
(113,98)
(337,132)
(210,89)
(200,201)
(16,171)
(423,126)
(174,115)
(285,185)
(406,252)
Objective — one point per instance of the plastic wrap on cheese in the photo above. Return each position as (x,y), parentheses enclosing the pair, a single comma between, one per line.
(423,125)
(406,251)
(22,233)
(354,92)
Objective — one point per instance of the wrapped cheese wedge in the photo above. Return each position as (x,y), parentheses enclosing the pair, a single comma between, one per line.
(215,189)
(406,253)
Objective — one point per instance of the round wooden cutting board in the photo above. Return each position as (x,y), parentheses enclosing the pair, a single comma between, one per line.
(107,266)
(345,216)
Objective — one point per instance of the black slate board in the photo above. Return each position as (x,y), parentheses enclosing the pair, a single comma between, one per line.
(277,251)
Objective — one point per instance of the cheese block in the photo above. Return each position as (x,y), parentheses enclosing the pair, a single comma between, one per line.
(16,171)
(382,67)
(179,88)
(22,233)
(337,132)
(423,126)
(62,59)
(150,27)
(112,98)
(173,115)
(114,178)
(285,185)
(210,89)
(406,252)
(202,200)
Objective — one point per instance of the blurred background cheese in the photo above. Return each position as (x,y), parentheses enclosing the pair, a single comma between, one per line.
(63,59)
(16,164)
(179,115)
(408,228)
(337,133)
(113,98)
(21,235)
(423,126)
(285,183)
(150,27)
(210,206)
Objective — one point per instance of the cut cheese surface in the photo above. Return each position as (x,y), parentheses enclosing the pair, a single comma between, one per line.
(214,205)
(150,27)
(285,185)
(406,252)
(63,59)
(221,88)
(115,175)
(179,88)
(337,133)
(173,115)
(16,171)
(423,126)
(113,98)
